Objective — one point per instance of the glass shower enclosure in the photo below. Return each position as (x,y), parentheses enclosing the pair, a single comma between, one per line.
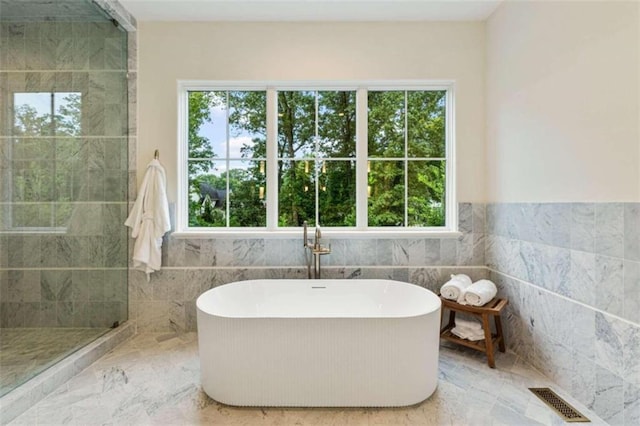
(63,182)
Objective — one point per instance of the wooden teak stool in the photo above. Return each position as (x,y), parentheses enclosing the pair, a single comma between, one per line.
(493,308)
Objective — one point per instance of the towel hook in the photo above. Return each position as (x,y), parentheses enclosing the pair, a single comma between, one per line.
(156,154)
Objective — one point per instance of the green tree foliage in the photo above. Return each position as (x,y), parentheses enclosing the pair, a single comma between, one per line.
(43,155)
(200,104)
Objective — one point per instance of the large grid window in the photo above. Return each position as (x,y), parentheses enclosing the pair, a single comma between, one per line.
(352,158)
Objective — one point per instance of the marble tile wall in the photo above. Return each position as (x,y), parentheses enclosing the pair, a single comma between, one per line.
(192,266)
(572,275)
(72,270)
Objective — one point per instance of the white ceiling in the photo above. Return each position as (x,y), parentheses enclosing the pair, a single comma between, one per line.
(310,10)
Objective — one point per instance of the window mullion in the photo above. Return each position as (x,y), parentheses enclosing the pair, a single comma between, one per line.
(272,159)
(316,163)
(227,162)
(406,158)
(362,126)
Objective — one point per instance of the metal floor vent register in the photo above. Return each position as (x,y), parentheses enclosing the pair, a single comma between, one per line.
(559,405)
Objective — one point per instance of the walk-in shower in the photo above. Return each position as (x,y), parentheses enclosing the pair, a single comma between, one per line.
(63,181)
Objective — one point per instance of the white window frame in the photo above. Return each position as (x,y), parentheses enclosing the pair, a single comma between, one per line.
(361,230)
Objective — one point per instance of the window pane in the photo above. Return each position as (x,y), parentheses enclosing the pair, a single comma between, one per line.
(67,113)
(337,124)
(296,196)
(386,193)
(337,193)
(32,114)
(296,124)
(247,182)
(47,113)
(426,124)
(386,124)
(426,193)
(207,124)
(207,193)
(247,124)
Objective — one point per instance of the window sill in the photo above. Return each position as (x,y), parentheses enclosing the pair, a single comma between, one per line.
(326,234)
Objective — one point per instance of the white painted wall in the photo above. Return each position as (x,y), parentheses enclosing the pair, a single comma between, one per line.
(563,102)
(311,51)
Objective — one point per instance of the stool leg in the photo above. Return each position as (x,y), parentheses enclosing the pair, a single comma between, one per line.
(487,340)
(452,318)
(501,343)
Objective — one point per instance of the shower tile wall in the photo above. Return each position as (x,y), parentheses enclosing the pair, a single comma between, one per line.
(572,275)
(192,266)
(63,248)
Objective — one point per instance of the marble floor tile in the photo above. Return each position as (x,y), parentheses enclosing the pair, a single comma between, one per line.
(154,379)
(25,352)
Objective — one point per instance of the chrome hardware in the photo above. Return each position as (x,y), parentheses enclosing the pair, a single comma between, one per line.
(315,248)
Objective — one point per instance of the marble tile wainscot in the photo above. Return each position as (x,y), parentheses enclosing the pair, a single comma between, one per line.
(572,274)
(192,266)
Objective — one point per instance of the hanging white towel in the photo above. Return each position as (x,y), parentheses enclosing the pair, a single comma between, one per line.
(479,293)
(149,219)
(455,287)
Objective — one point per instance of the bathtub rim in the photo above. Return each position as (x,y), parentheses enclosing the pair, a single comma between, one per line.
(434,297)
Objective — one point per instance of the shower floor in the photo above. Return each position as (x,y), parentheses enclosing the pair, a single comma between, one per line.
(25,352)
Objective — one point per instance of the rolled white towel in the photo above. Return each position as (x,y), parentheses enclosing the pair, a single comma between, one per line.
(454,288)
(479,293)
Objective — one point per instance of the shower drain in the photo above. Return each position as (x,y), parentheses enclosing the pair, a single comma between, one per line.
(559,405)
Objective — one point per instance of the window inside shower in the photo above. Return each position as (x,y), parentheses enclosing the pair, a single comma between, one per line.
(41,189)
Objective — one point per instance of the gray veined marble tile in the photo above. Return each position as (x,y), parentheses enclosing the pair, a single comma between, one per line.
(408,252)
(632,231)
(56,285)
(465,217)
(173,251)
(479,218)
(608,402)
(491,210)
(583,227)
(582,326)
(429,278)
(582,277)
(96,53)
(192,252)
(631,299)
(551,224)
(610,333)
(248,252)
(433,251)
(610,229)
(583,384)
(64,53)
(464,250)
(360,252)
(384,248)
(168,285)
(449,252)
(631,404)
(631,362)
(609,285)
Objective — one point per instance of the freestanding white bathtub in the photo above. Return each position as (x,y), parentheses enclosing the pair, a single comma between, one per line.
(319,343)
